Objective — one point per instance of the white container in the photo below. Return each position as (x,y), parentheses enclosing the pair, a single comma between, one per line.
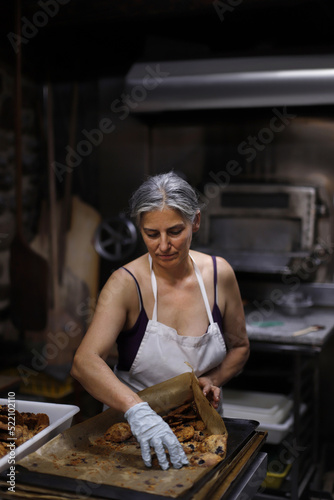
(277,432)
(266,408)
(60,416)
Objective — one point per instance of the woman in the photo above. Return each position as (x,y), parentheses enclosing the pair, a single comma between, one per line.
(170,306)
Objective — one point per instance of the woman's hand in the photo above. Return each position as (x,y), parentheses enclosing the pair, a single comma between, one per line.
(151,431)
(212,392)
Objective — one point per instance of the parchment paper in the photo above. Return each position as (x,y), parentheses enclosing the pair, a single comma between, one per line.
(76,453)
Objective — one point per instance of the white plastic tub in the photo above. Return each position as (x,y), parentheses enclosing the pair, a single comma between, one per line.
(60,416)
(277,432)
(272,411)
(266,408)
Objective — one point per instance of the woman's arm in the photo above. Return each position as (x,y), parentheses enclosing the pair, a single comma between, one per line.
(91,370)
(234,331)
(89,365)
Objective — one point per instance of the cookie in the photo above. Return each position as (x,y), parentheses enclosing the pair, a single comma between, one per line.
(184,413)
(190,447)
(184,409)
(199,436)
(3,449)
(118,432)
(216,443)
(205,459)
(184,432)
(198,425)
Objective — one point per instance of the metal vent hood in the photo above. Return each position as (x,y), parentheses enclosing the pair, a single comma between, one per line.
(230,83)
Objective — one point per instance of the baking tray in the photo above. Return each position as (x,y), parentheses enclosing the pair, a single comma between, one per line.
(60,416)
(240,432)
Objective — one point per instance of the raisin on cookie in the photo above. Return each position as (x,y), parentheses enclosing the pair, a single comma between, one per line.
(216,443)
(190,447)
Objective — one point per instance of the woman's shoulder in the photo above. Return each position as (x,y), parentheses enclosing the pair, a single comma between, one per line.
(223,265)
(121,276)
(131,274)
(138,266)
(204,259)
(201,258)
(121,287)
(225,272)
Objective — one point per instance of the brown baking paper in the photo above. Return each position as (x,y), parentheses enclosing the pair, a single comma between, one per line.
(76,453)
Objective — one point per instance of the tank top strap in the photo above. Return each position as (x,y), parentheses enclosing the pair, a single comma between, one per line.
(137,285)
(215,281)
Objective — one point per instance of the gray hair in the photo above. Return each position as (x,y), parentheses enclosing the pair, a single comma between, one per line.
(165,190)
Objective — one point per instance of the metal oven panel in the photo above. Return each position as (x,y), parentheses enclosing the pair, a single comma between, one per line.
(259,227)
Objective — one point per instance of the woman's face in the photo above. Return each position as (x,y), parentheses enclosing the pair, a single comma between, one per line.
(167,235)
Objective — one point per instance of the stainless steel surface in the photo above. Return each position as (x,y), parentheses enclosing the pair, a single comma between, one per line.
(267,324)
(265,202)
(262,294)
(294,303)
(250,482)
(232,83)
(264,228)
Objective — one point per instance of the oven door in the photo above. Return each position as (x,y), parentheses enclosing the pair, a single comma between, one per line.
(259,228)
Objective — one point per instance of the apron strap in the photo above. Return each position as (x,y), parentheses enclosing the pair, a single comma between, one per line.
(155,291)
(201,285)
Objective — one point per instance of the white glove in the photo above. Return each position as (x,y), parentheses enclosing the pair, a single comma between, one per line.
(150,430)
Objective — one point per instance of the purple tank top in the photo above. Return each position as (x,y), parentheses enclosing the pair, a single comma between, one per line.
(128,341)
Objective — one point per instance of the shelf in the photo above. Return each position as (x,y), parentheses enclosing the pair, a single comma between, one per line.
(296,372)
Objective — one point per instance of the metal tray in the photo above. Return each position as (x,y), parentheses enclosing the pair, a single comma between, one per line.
(60,416)
(239,433)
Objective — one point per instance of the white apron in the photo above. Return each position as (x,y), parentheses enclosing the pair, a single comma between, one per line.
(163,353)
